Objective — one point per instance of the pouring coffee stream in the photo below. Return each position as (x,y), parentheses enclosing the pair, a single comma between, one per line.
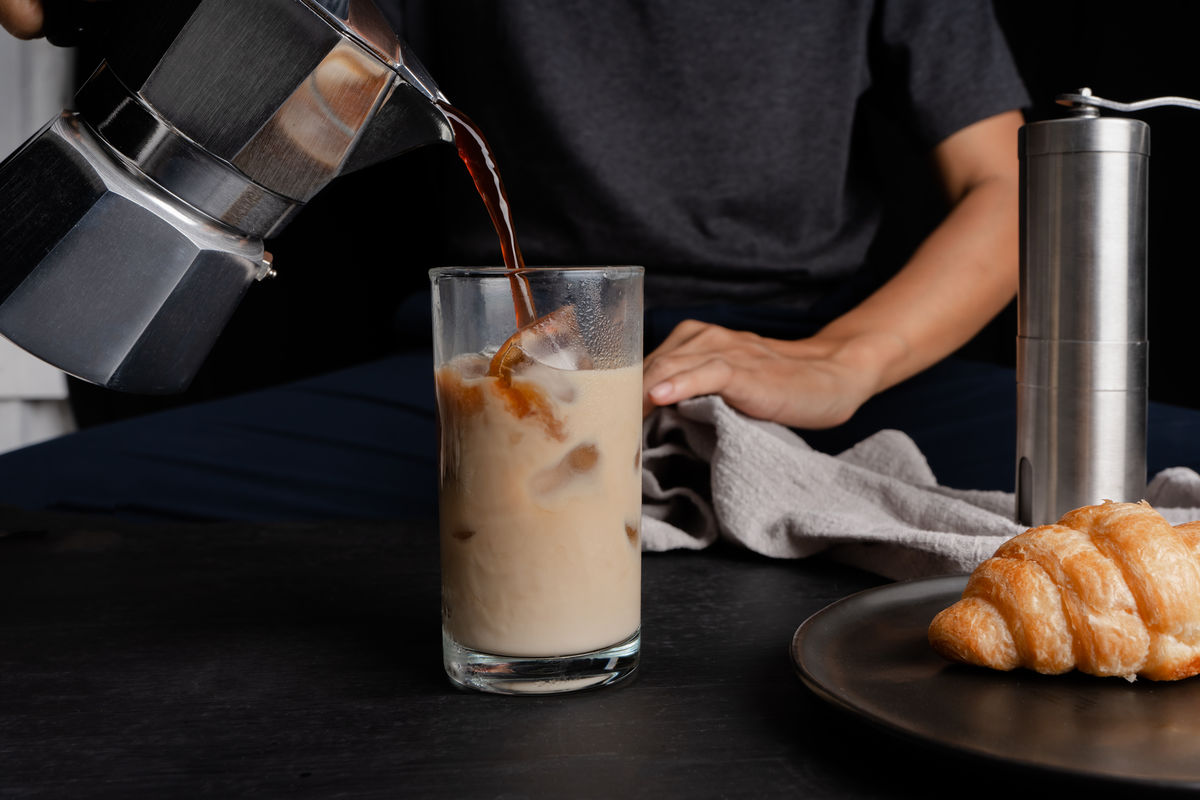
(477,155)
(554,338)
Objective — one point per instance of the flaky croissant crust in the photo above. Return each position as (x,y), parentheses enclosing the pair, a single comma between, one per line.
(1111,589)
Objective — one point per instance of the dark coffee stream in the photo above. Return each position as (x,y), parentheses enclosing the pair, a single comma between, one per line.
(475,152)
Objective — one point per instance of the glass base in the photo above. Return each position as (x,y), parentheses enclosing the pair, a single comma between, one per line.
(471,669)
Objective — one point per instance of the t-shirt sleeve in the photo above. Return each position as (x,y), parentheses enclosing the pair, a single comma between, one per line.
(945,63)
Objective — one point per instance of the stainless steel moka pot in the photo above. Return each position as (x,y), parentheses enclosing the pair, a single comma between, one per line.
(131,226)
(1082,351)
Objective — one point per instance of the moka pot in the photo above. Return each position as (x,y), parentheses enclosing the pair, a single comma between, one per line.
(131,226)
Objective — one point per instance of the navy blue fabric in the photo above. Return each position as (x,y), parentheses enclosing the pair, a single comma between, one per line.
(358,443)
(361,443)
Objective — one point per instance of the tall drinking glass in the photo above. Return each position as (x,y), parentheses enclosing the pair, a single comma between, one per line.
(540,475)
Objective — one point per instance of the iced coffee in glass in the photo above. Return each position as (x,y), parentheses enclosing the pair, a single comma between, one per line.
(540,475)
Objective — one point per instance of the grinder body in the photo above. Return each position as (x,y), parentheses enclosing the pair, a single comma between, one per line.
(1082,350)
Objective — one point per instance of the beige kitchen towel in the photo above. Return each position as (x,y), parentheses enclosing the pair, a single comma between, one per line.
(710,472)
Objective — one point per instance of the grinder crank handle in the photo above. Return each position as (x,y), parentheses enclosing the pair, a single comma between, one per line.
(1085,101)
(68,23)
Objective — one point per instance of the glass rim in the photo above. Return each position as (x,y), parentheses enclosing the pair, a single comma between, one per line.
(504,272)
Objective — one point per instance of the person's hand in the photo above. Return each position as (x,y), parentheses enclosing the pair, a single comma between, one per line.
(21,18)
(809,383)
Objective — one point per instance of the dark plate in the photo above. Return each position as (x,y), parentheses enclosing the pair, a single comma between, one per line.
(869,655)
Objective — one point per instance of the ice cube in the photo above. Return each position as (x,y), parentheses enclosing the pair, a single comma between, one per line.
(579,461)
(470,365)
(556,341)
(582,457)
(553,340)
(554,382)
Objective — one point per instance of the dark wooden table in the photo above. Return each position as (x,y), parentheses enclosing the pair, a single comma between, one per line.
(304,660)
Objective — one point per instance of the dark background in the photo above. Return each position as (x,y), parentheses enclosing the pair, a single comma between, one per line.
(351,258)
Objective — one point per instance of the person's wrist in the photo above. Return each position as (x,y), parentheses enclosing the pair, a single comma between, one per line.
(873,358)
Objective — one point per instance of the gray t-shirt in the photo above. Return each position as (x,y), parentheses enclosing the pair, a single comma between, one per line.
(734,149)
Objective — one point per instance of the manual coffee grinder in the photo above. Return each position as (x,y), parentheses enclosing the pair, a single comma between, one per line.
(1082,351)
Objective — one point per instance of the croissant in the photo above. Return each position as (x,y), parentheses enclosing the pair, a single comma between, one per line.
(1111,589)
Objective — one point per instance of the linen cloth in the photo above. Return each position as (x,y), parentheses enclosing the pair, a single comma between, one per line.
(710,472)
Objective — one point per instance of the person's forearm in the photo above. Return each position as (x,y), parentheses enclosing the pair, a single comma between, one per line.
(960,277)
